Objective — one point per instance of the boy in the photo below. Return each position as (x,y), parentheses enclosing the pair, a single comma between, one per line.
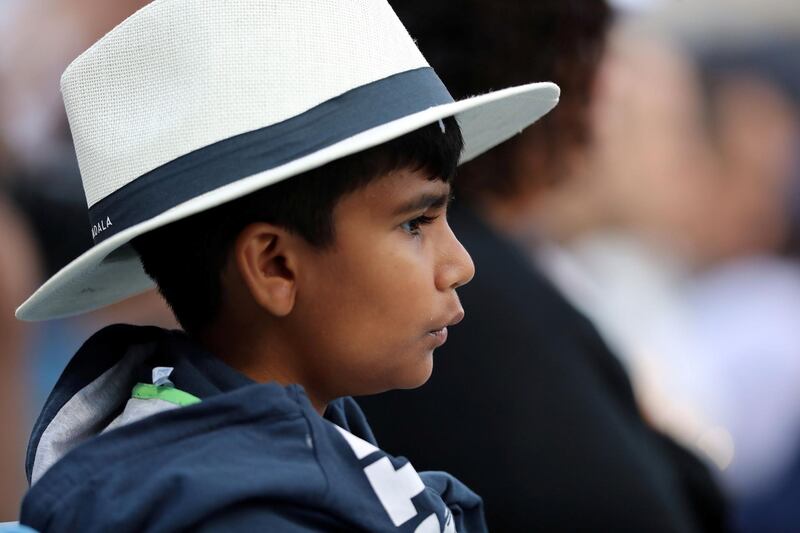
(189,119)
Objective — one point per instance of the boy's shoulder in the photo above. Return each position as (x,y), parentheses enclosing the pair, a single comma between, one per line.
(174,469)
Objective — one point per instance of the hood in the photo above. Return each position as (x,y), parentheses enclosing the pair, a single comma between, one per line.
(95,393)
(111,451)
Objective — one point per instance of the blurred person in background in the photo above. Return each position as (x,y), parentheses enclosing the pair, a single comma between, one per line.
(528,376)
(39,170)
(19,265)
(745,303)
(675,244)
(40,199)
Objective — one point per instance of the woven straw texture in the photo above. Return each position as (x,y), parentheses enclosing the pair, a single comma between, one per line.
(182,74)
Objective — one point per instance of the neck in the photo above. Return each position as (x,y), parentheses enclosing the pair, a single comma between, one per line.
(259,360)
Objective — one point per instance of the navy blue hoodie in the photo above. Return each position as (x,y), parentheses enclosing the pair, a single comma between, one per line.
(209,449)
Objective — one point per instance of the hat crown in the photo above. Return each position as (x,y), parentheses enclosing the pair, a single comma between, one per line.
(179,75)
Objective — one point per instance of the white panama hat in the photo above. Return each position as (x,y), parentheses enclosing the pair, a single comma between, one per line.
(188,104)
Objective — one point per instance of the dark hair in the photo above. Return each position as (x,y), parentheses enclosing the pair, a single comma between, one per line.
(186,258)
(486,45)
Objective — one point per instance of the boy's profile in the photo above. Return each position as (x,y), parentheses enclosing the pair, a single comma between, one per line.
(282,172)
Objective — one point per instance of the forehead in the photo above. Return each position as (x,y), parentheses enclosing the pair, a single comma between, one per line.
(385,195)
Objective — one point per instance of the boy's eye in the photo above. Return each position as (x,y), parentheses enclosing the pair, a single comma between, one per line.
(413,226)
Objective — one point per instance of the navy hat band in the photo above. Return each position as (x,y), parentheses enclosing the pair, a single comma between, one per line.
(244,155)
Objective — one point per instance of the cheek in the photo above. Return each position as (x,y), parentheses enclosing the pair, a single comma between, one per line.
(372,316)
(385,296)
(384,277)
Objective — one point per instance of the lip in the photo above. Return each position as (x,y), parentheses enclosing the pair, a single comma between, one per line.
(439,336)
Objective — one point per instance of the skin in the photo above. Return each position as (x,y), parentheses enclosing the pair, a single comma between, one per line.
(361,316)
(647,168)
(755,149)
(704,184)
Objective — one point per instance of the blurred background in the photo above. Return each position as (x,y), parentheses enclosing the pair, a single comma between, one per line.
(677,234)
(43,212)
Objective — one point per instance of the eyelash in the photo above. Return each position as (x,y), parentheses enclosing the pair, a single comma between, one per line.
(412,227)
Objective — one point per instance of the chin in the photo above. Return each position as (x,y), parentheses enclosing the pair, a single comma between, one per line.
(411,375)
(411,378)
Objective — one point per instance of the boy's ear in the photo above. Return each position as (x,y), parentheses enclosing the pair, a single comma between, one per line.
(267,264)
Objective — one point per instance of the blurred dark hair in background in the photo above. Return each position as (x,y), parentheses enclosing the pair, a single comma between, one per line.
(512,42)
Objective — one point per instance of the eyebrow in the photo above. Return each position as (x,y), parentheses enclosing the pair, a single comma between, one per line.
(423,202)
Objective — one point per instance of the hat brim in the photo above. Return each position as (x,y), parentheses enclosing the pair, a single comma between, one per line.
(111,270)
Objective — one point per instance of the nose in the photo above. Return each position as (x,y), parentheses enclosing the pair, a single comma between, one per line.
(456,267)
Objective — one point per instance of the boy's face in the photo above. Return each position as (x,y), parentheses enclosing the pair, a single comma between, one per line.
(371,309)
